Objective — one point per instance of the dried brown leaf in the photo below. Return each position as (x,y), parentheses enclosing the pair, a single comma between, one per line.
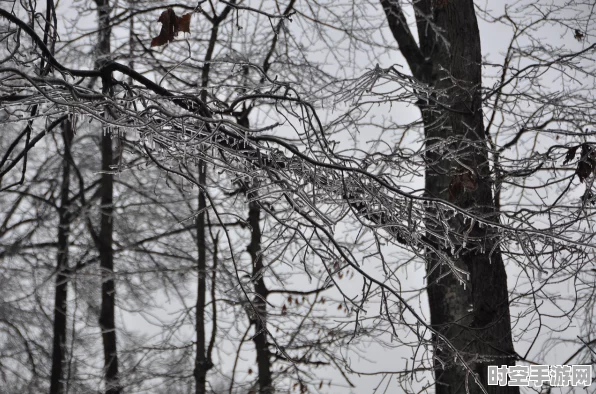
(587,163)
(171,25)
(461,183)
(184,23)
(570,154)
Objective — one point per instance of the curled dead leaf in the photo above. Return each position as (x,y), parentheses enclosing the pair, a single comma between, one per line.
(461,183)
(587,162)
(171,25)
(588,198)
(570,154)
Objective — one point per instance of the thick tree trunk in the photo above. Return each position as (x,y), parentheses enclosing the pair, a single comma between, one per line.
(107,320)
(61,295)
(475,318)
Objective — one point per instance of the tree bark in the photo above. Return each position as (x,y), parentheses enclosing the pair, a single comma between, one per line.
(259,301)
(61,294)
(258,275)
(107,320)
(202,358)
(474,317)
(202,364)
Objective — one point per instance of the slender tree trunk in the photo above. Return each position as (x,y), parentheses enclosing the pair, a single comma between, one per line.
(259,301)
(107,320)
(261,291)
(202,364)
(61,294)
(202,360)
(474,318)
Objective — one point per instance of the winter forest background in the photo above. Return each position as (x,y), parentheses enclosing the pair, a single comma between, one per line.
(295,196)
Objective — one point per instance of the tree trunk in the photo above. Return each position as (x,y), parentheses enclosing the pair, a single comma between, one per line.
(475,318)
(61,295)
(202,365)
(259,301)
(258,277)
(202,360)
(107,321)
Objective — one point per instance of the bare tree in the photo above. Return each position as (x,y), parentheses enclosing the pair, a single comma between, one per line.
(456,197)
(475,318)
